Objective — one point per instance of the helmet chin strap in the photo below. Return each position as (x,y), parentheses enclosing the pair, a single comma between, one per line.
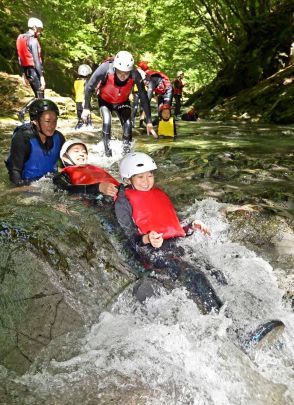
(70,159)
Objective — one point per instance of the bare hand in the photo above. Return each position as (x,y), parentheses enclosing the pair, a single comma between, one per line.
(150,130)
(156,239)
(85,114)
(43,84)
(108,189)
(198,225)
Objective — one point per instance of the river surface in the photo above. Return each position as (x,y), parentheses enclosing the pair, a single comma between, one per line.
(71,330)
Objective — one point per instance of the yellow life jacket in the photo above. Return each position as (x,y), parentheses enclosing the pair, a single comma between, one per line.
(166,128)
(79,86)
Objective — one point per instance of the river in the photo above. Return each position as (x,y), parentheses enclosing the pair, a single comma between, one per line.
(71,330)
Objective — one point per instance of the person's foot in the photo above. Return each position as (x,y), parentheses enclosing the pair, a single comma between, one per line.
(126,147)
(79,125)
(264,335)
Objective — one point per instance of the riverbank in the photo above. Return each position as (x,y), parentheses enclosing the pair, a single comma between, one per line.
(269,101)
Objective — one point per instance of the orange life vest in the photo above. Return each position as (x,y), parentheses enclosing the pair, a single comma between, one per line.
(23,50)
(88,174)
(178,86)
(114,94)
(153,211)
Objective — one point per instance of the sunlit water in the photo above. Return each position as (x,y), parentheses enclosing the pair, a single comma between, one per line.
(166,351)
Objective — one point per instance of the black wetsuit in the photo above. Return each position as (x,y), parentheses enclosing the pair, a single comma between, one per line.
(166,261)
(20,151)
(155,81)
(63,182)
(123,110)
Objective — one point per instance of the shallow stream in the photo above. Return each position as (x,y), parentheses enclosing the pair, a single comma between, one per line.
(70,330)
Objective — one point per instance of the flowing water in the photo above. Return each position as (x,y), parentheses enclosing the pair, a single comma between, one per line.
(71,331)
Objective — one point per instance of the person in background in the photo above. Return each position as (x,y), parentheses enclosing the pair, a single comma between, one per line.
(30,60)
(84,72)
(190,115)
(35,146)
(151,225)
(113,81)
(178,92)
(136,102)
(79,177)
(158,84)
(166,124)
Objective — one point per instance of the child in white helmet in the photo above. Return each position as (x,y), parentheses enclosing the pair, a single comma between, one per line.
(149,220)
(79,177)
(84,72)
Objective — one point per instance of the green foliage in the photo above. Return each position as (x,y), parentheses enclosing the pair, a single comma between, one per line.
(200,37)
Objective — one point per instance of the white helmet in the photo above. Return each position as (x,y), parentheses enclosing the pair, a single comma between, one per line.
(67,144)
(135,163)
(180,73)
(84,70)
(123,61)
(35,22)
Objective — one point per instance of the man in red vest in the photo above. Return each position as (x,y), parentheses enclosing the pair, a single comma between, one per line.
(113,82)
(178,92)
(30,59)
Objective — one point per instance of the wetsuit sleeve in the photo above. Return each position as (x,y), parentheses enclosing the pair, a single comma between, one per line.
(34,48)
(145,102)
(97,77)
(123,212)
(19,152)
(62,181)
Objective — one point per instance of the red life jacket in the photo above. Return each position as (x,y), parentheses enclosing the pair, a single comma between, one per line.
(114,94)
(153,211)
(23,50)
(88,174)
(165,82)
(178,86)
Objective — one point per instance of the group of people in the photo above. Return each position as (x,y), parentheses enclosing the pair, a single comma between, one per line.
(144,211)
(112,82)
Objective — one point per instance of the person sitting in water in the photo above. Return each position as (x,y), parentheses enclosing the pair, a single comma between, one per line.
(149,221)
(35,146)
(79,177)
(166,124)
(190,115)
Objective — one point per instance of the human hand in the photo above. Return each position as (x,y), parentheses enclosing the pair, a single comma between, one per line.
(198,225)
(85,114)
(43,84)
(108,189)
(150,130)
(156,239)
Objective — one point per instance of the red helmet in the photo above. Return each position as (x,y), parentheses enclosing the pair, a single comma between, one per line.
(165,107)
(143,65)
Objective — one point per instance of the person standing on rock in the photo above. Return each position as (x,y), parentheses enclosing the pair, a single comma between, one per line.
(30,60)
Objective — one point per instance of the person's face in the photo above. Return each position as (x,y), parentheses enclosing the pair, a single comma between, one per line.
(165,114)
(77,154)
(38,31)
(47,122)
(122,75)
(143,181)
